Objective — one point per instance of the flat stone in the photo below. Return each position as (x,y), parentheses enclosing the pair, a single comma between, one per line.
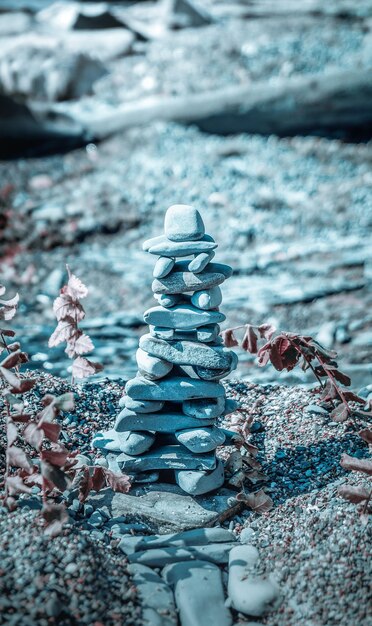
(194,537)
(199,593)
(158,608)
(216,268)
(166,457)
(183,222)
(204,409)
(142,406)
(201,439)
(200,262)
(163,266)
(167,300)
(159,557)
(180,282)
(160,511)
(189,353)
(129,442)
(231,406)
(203,334)
(152,366)
(198,483)
(175,389)
(164,247)
(248,594)
(207,299)
(208,373)
(181,317)
(158,422)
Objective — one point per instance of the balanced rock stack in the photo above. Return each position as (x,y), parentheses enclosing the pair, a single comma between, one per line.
(170,407)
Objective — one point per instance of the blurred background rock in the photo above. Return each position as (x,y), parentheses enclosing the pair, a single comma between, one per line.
(258,112)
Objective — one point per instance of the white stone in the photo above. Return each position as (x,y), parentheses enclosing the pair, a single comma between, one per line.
(200,262)
(163,266)
(154,367)
(207,299)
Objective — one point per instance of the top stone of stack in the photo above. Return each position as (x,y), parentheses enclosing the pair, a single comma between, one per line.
(183,223)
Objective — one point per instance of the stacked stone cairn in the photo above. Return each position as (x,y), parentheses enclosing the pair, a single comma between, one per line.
(167,424)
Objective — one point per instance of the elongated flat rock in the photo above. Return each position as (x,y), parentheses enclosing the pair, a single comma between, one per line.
(141,406)
(204,409)
(154,367)
(158,608)
(159,422)
(200,262)
(217,268)
(204,334)
(159,557)
(132,443)
(189,353)
(181,282)
(163,266)
(162,246)
(194,537)
(175,389)
(183,223)
(248,594)
(166,457)
(201,439)
(181,316)
(199,593)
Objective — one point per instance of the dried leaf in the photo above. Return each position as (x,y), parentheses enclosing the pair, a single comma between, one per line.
(16,485)
(266,331)
(63,332)
(249,343)
(118,482)
(55,476)
(21,418)
(353,494)
(229,338)
(82,367)
(86,484)
(259,502)
(64,306)
(75,287)
(10,377)
(17,458)
(83,345)
(11,433)
(340,413)
(358,465)
(33,435)
(55,515)
(8,308)
(51,431)
(55,457)
(234,462)
(98,478)
(366,435)
(12,360)
(65,402)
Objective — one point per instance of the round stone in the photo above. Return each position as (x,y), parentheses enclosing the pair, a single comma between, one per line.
(152,366)
(198,482)
(200,440)
(183,223)
(207,298)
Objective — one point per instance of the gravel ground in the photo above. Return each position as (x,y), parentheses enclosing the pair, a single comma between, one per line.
(70,580)
(311,540)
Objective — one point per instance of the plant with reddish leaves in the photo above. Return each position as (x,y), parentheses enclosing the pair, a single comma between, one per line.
(286,350)
(358,495)
(55,469)
(69,312)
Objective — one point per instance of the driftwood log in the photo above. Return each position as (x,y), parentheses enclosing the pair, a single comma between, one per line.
(295,105)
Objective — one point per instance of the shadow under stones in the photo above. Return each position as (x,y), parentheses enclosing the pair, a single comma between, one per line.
(296,471)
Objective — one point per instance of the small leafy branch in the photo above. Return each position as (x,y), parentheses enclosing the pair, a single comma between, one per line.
(55,469)
(69,312)
(286,350)
(358,494)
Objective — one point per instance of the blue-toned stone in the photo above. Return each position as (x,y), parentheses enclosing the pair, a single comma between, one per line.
(183,222)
